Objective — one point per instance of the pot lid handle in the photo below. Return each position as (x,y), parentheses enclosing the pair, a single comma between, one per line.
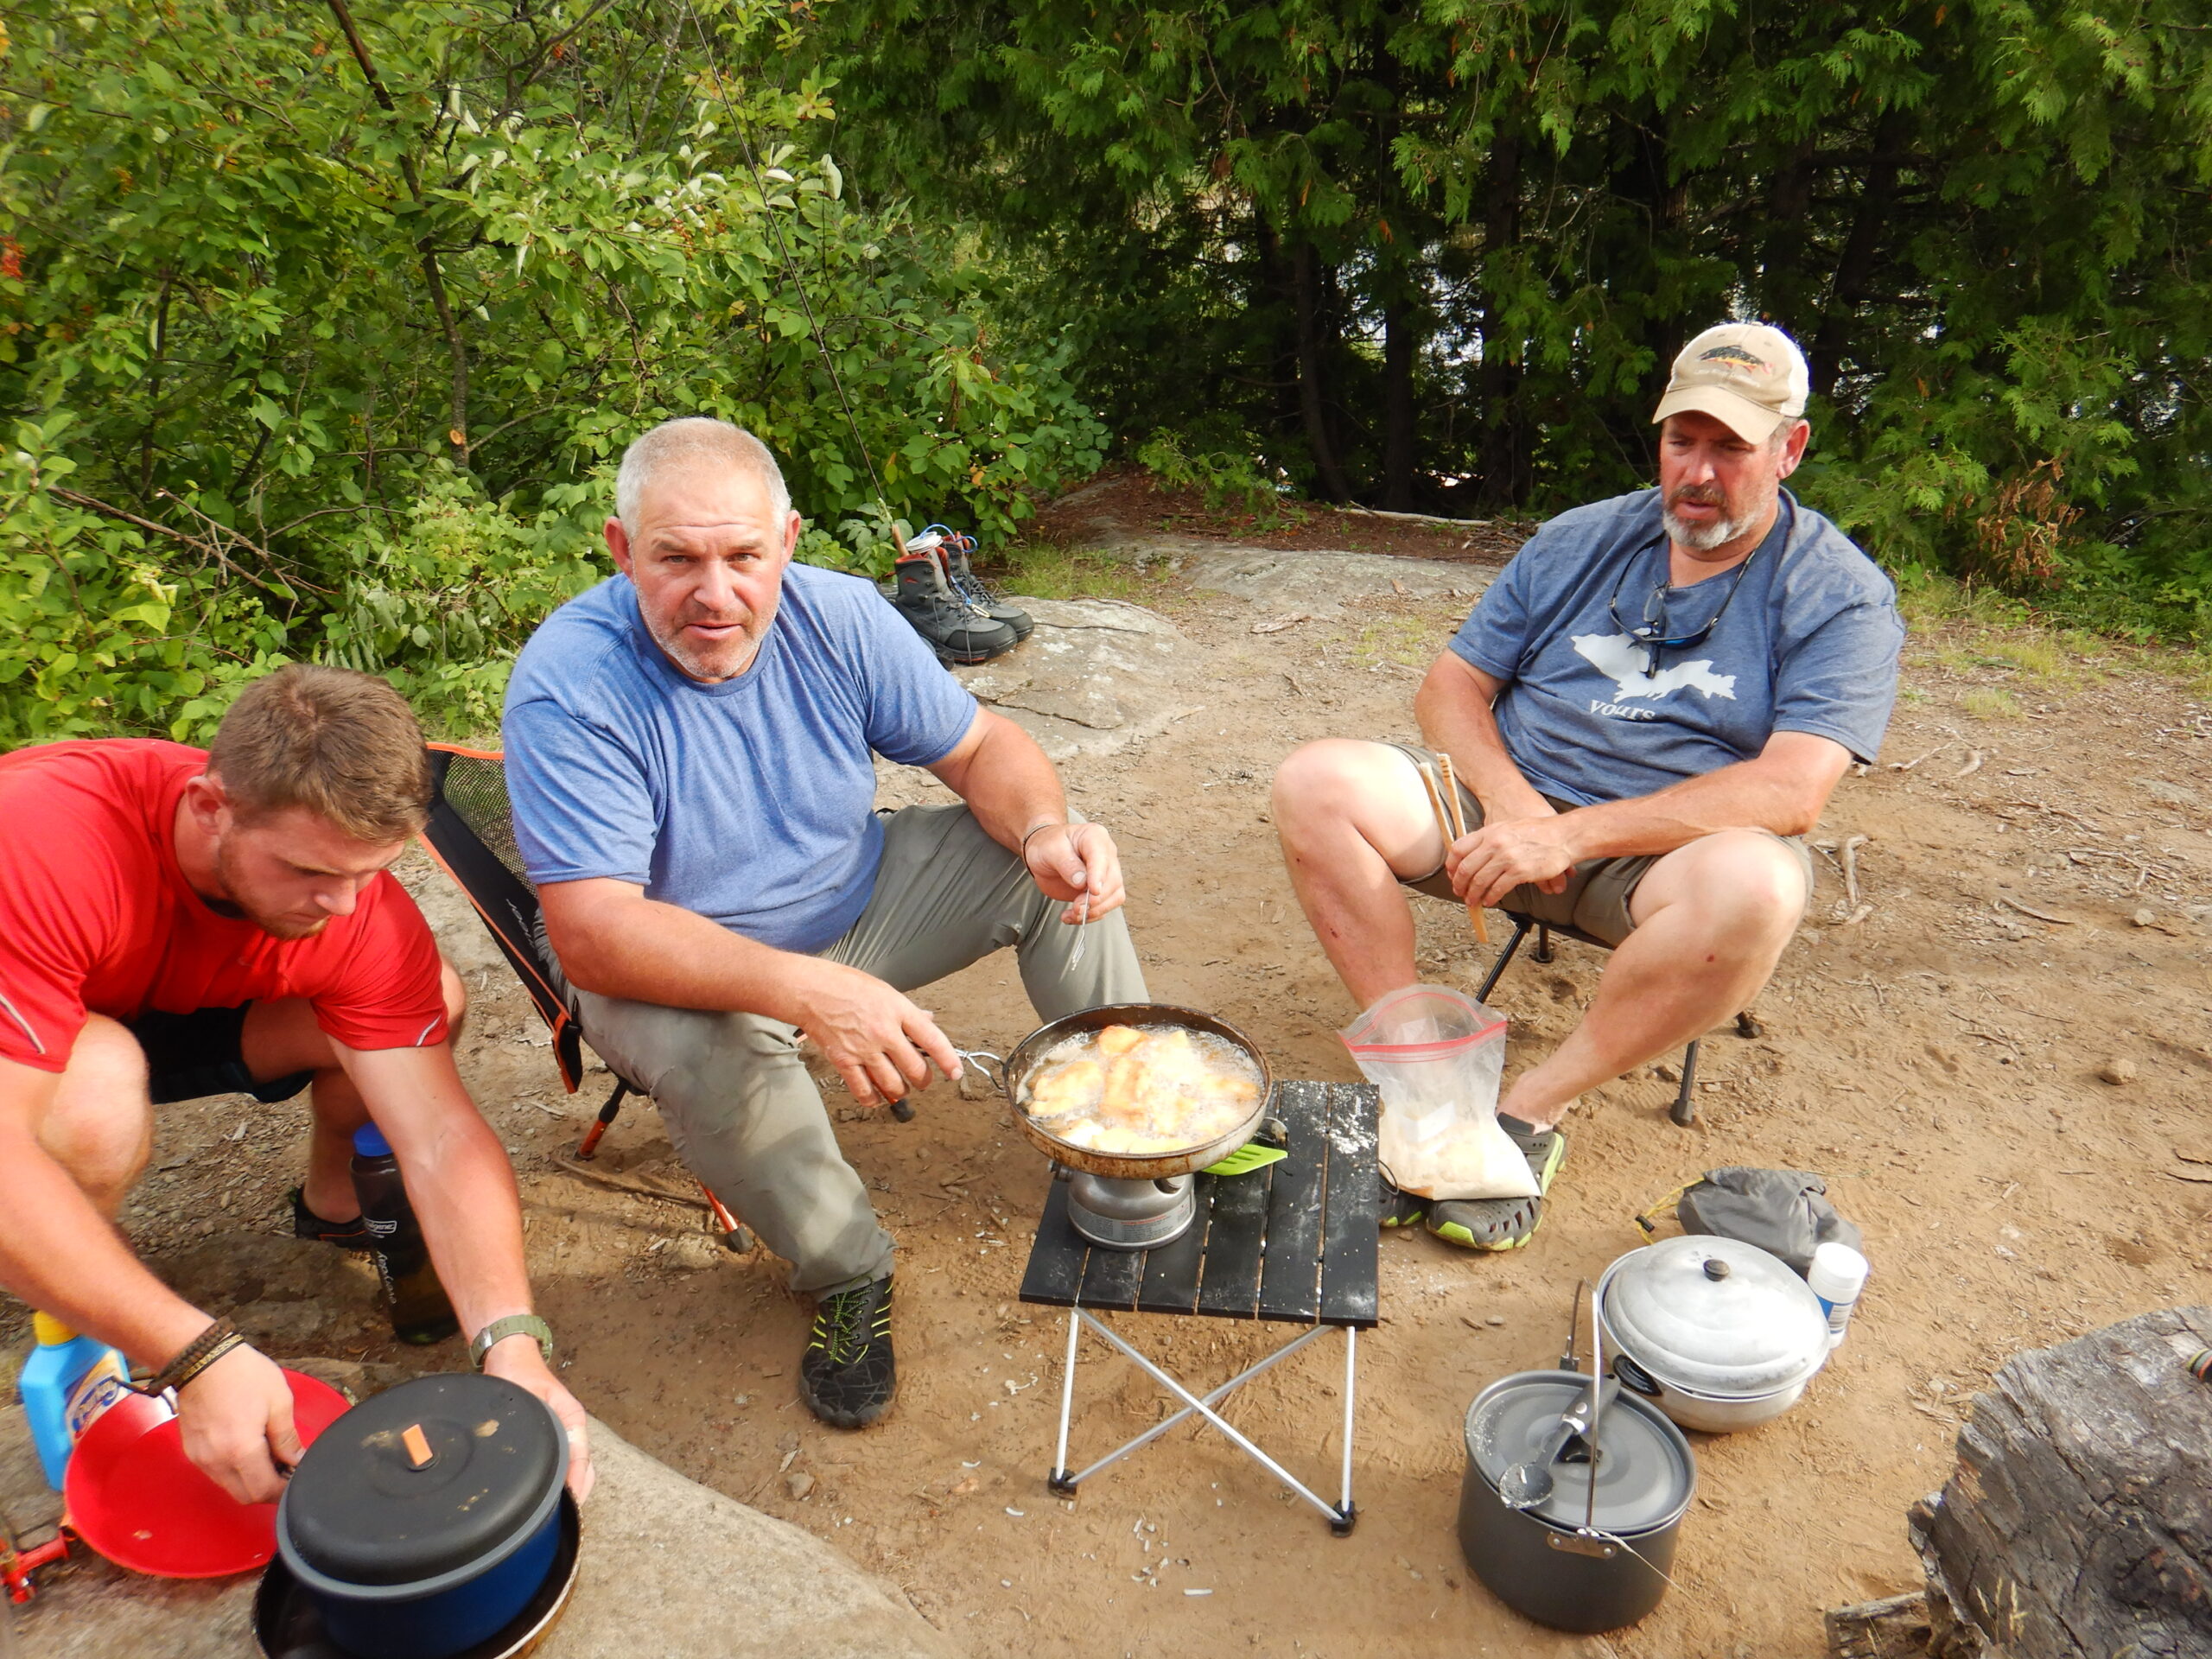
(1715,1269)
(418,1445)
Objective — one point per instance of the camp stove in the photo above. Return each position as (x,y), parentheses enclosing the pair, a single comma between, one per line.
(1128,1214)
(1123,1201)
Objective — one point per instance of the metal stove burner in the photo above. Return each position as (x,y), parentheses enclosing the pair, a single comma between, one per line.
(1130,1215)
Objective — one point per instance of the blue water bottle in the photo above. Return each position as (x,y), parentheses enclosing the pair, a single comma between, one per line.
(67,1381)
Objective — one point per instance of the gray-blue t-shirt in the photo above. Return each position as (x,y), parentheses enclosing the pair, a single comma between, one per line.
(748,802)
(1808,644)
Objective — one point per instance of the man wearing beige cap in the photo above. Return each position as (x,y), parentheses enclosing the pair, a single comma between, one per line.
(1645,713)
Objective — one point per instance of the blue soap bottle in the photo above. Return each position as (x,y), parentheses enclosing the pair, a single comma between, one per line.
(66,1383)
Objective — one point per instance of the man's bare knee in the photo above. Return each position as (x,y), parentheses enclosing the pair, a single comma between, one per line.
(1369,788)
(1741,889)
(100,1125)
(1315,779)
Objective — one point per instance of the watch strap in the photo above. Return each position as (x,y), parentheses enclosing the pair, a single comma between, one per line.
(514,1325)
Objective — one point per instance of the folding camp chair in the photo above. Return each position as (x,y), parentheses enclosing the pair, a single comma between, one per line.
(1684,1110)
(471,836)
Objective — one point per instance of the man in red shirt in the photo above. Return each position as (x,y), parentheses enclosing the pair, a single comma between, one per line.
(175,923)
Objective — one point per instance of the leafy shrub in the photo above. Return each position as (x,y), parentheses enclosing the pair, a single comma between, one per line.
(1226,478)
(328,339)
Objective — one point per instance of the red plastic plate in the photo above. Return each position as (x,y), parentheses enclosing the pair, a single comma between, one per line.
(134,1496)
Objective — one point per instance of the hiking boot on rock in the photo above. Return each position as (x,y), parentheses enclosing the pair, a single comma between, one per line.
(952,554)
(955,630)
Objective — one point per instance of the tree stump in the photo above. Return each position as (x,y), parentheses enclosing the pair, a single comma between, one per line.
(2078,1525)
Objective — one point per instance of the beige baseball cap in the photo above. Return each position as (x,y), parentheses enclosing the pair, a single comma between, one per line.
(1751,377)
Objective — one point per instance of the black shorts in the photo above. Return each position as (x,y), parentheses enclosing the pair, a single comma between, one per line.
(192,1055)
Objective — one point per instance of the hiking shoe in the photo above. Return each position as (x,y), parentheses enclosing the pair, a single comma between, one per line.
(955,630)
(1503,1223)
(952,554)
(1399,1207)
(847,1376)
(346,1234)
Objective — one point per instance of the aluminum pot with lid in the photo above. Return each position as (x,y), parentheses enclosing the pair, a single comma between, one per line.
(1716,1333)
(1579,1559)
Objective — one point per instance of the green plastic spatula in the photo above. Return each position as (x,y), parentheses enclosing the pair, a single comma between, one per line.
(1253,1155)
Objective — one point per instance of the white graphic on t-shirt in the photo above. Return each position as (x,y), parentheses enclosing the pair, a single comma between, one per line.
(1623,659)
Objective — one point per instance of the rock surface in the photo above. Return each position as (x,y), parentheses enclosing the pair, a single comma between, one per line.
(1096,675)
(671,1569)
(1320,583)
(1315,581)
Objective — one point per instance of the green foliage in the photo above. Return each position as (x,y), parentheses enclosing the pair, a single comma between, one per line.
(1226,478)
(1485,227)
(335,339)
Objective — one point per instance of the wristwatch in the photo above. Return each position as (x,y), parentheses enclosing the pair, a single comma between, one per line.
(515,1325)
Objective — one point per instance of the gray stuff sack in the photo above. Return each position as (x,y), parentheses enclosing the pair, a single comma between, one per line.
(1785,1211)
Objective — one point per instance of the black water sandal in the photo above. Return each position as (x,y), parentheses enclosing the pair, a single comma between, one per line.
(1400,1208)
(346,1234)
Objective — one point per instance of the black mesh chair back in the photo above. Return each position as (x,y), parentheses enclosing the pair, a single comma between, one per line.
(471,835)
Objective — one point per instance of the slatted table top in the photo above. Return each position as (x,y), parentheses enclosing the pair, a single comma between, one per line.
(1294,1241)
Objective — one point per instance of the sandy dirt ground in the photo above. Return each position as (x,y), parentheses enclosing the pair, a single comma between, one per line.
(2033,911)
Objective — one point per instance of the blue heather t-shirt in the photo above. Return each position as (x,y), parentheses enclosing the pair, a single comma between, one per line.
(1808,644)
(748,802)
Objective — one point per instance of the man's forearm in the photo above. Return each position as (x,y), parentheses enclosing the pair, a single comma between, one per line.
(458,1177)
(1746,795)
(622,943)
(1453,708)
(59,1254)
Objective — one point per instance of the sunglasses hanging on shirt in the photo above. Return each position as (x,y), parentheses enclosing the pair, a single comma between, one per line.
(1652,633)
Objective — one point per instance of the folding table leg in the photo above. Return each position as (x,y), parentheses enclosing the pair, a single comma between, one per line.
(1058,1480)
(1213,1399)
(1334,1515)
(1347,1514)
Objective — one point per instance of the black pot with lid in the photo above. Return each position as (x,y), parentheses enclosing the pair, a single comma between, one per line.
(1579,1559)
(423,1520)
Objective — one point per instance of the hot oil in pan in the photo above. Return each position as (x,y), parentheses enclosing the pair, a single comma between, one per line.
(1135,1090)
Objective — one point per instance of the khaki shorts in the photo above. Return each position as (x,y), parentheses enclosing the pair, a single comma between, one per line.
(1596,901)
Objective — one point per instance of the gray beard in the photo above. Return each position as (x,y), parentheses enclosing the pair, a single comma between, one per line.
(1703,538)
(691,668)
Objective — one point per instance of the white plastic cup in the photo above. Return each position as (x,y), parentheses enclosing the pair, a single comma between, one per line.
(1837,1276)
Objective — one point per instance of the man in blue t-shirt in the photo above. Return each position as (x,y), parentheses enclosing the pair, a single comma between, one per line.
(1646,712)
(689,752)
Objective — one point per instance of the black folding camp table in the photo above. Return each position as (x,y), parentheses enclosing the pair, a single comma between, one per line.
(1294,1243)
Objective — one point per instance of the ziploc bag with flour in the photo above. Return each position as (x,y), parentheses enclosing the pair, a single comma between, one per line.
(1436,1056)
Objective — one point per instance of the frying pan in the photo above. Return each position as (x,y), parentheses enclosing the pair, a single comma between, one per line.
(133,1494)
(1029,1054)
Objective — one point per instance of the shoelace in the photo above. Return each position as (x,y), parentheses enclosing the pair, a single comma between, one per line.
(971,589)
(837,1323)
(838,1330)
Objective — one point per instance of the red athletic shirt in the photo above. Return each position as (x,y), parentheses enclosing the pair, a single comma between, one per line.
(96,916)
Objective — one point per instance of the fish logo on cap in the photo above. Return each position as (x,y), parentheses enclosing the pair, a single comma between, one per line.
(1750,376)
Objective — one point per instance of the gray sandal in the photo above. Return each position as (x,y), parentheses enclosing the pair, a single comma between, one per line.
(1503,1223)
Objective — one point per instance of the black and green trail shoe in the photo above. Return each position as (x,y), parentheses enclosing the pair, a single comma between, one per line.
(847,1376)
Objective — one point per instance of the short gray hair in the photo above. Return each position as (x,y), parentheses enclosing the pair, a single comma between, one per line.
(694,441)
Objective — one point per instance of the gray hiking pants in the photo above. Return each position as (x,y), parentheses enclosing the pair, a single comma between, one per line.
(738,1104)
